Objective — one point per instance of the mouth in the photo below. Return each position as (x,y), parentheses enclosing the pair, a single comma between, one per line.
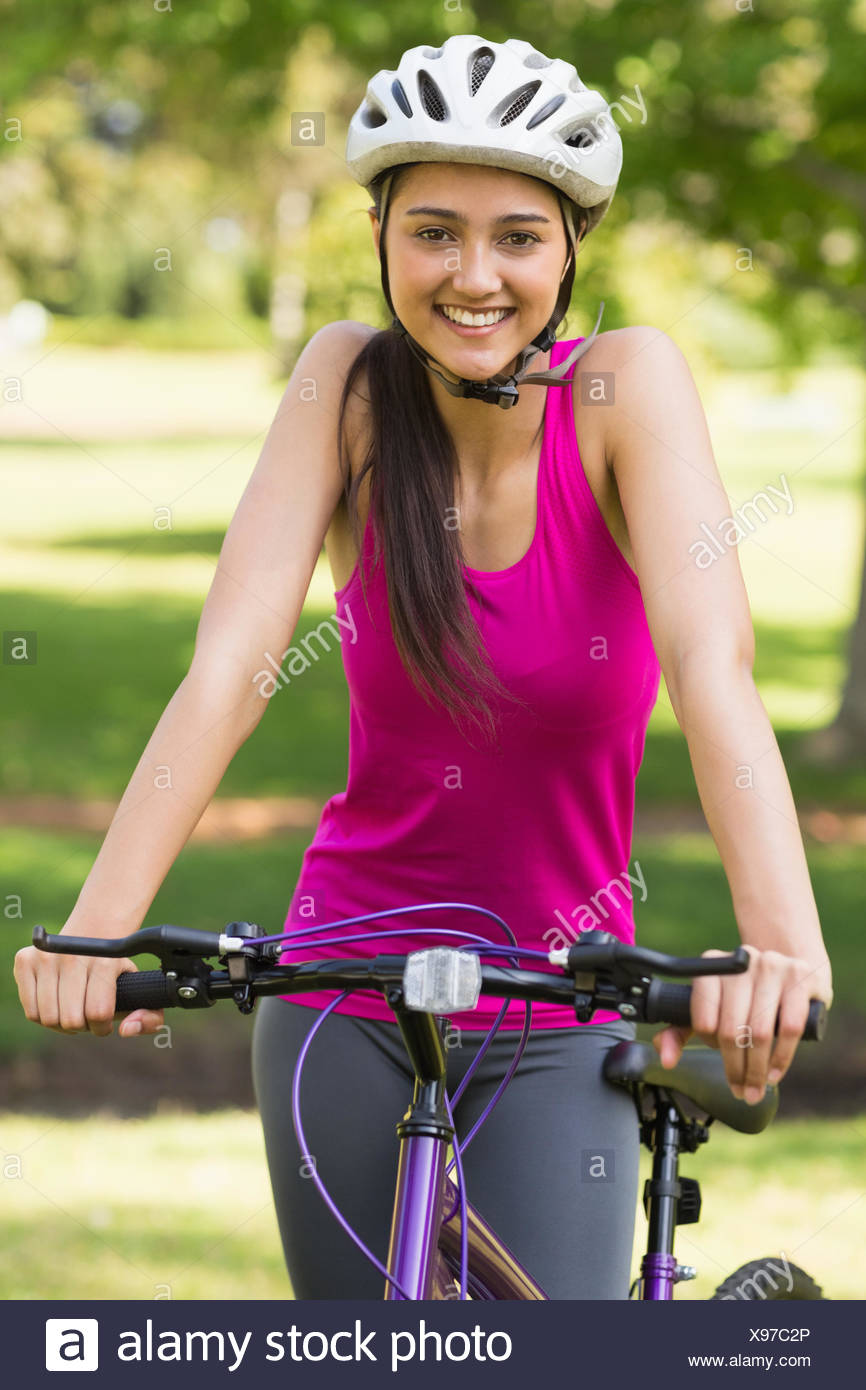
(473,330)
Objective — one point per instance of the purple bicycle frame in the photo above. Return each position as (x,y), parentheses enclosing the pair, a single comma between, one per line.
(424,1250)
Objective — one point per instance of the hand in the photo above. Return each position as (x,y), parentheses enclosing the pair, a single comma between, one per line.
(737,1013)
(76,994)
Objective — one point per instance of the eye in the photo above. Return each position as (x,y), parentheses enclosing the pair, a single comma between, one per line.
(530,237)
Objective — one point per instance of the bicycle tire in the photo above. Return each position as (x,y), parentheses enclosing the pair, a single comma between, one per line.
(803,1286)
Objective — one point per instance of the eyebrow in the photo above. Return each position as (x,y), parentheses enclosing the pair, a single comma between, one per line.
(458,216)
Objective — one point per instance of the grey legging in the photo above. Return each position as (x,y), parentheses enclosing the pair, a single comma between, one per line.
(554,1167)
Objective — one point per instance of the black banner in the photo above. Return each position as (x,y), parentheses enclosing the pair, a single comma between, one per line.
(193,1344)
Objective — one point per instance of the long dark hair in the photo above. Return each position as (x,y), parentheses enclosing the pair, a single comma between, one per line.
(414,465)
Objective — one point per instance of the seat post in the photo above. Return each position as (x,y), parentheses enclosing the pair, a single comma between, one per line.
(661,1194)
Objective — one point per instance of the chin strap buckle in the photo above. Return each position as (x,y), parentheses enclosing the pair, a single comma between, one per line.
(503,394)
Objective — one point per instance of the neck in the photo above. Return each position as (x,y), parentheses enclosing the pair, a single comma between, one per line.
(488,440)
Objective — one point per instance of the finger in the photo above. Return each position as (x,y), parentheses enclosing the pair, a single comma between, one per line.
(793,1013)
(25,978)
(669,1044)
(131,1024)
(141,1021)
(99,1002)
(734,1013)
(47,1006)
(71,988)
(706,1003)
(761,1022)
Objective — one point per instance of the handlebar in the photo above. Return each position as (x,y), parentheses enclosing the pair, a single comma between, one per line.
(598,972)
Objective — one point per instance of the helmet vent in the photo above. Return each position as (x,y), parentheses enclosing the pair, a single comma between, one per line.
(372,116)
(536,60)
(482,62)
(398,92)
(519,102)
(580,140)
(431,98)
(547,110)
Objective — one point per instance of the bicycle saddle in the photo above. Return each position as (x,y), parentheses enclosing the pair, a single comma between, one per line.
(699,1074)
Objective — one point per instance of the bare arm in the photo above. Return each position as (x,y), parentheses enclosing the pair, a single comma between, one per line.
(698,614)
(262,577)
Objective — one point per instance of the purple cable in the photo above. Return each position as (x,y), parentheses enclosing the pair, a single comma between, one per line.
(401,931)
(515,1062)
(461,1197)
(302,1141)
(527,1020)
(481,944)
(389,912)
(494,1027)
(489,948)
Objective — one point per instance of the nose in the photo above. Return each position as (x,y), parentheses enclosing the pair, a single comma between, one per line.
(476,274)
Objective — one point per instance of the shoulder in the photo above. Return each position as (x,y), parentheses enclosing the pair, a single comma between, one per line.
(644,366)
(341,342)
(644,359)
(333,349)
(336,346)
(344,338)
(634,351)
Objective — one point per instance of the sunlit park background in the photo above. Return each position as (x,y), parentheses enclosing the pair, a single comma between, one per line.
(170,238)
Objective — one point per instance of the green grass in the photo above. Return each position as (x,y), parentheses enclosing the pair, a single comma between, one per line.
(107,669)
(799,1188)
(174,1206)
(75,723)
(180,1206)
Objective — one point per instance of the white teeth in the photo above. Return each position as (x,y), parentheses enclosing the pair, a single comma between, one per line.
(473,320)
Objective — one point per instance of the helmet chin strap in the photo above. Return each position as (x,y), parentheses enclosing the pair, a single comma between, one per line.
(500,389)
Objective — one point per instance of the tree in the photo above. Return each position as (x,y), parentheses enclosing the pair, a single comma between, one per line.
(751,132)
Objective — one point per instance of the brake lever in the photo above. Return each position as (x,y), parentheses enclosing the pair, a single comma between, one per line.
(604,969)
(180,951)
(603,953)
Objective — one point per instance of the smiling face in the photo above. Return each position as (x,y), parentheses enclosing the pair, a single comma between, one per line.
(467,237)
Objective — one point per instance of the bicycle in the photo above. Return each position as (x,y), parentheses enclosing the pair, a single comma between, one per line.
(433,1245)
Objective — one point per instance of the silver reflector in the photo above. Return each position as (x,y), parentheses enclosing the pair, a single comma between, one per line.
(441,980)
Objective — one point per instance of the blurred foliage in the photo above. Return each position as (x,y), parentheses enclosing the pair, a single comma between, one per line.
(128,129)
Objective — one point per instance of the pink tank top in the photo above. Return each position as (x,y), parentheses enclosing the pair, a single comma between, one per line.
(539,831)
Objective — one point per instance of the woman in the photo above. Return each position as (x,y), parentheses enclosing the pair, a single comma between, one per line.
(466,217)
(510,584)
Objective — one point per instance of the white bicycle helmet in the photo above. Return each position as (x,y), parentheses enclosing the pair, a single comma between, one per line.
(506,105)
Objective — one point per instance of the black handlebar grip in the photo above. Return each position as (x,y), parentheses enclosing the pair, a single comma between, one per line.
(143,989)
(671,1003)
